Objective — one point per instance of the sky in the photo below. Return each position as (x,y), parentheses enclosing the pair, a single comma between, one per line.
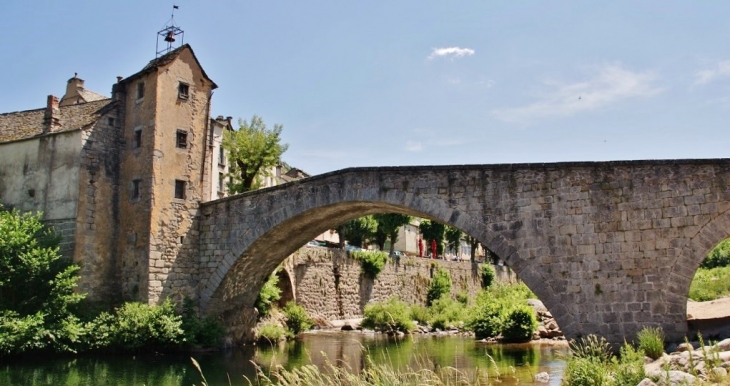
(398,83)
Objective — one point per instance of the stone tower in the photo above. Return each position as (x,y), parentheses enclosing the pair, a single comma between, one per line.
(164,111)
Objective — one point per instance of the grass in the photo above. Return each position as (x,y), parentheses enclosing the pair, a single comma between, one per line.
(651,341)
(710,284)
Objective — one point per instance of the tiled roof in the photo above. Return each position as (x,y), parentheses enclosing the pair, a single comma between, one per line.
(29,123)
(91,96)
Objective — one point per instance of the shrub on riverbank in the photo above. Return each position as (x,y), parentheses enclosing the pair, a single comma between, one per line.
(134,326)
(710,284)
(37,297)
(393,315)
(445,312)
(297,319)
(205,332)
(502,309)
(440,286)
(271,332)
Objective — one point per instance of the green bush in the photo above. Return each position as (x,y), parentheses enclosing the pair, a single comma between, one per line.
(269,294)
(463,298)
(206,332)
(420,314)
(297,319)
(488,275)
(37,297)
(135,326)
(719,256)
(393,315)
(651,341)
(271,332)
(440,285)
(519,323)
(372,262)
(486,318)
(445,312)
(489,315)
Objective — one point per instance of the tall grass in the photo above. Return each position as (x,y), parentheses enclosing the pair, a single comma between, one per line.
(651,340)
(710,284)
(337,374)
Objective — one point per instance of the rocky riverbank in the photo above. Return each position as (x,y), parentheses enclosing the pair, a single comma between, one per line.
(690,362)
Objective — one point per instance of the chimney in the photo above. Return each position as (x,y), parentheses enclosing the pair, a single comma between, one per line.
(52,116)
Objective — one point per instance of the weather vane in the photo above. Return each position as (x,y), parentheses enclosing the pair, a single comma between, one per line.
(169,34)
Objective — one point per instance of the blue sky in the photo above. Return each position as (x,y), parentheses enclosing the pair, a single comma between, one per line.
(412,82)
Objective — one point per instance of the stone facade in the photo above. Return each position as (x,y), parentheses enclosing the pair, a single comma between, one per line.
(609,247)
(330,286)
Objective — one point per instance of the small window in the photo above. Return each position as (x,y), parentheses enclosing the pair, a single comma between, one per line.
(221,156)
(182,139)
(180,189)
(135,189)
(138,138)
(140,90)
(221,182)
(183,90)
(110,120)
(31,192)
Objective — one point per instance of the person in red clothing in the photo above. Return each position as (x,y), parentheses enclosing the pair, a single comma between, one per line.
(434,250)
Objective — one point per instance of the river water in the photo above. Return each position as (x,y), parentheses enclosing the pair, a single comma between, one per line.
(506,364)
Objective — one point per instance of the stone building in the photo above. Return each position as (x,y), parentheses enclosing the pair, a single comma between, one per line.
(121,177)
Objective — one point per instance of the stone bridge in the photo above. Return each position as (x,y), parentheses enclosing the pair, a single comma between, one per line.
(608,247)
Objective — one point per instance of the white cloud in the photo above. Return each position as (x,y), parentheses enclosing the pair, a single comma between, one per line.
(414,146)
(453,52)
(612,83)
(722,69)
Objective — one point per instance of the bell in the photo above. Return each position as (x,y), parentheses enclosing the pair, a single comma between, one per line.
(170,37)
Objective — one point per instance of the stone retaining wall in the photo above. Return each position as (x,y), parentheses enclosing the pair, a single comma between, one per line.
(329,284)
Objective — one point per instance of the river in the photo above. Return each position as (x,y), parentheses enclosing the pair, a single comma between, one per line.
(510,364)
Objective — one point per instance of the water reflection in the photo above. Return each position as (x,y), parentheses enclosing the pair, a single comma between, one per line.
(510,364)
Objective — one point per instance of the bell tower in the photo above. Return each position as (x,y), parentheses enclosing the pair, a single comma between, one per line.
(169,34)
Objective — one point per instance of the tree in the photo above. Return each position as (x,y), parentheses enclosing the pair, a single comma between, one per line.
(453,236)
(388,225)
(432,230)
(358,231)
(36,287)
(253,150)
(474,244)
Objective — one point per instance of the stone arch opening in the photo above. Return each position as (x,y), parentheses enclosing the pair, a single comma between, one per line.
(237,286)
(286,285)
(684,266)
(705,318)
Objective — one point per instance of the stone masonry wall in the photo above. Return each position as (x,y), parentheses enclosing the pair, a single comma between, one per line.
(329,284)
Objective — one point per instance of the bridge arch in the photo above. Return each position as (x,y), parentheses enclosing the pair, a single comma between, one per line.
(271,247)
